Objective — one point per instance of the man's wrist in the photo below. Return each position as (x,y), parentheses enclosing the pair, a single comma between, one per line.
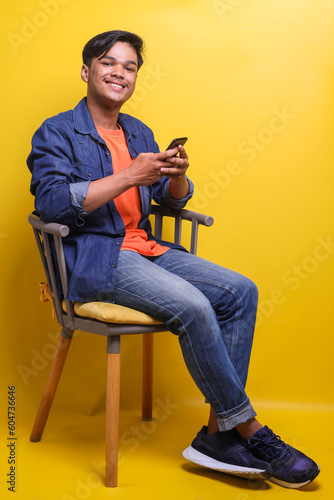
(178,180)
(179,189)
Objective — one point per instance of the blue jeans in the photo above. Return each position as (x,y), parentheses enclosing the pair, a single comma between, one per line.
(213,312)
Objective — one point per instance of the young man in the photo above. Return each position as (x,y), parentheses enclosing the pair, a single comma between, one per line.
(97,170)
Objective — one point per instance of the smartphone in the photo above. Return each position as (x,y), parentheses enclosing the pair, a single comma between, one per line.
(177,141)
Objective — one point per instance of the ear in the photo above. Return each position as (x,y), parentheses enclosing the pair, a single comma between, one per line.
(84,73)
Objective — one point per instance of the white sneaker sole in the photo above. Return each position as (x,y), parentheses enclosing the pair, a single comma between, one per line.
(288,485)
(291,485)
(199,458)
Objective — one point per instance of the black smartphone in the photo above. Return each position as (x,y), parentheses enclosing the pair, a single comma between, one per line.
(177,141)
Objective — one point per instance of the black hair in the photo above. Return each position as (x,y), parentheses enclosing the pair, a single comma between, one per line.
(100,44)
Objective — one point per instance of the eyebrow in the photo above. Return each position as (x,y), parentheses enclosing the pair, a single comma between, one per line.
(127,61)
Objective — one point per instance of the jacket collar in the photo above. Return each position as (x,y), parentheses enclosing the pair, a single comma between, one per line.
(84,124)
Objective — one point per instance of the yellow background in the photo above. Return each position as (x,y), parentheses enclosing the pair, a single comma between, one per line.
(251,84)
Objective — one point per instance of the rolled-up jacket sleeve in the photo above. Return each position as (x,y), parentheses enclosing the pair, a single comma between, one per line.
(78,194)
(163,196)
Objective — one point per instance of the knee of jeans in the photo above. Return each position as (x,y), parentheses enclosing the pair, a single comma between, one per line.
(197,307)
(246,292)
(194,310)
(252,291)
(198,303)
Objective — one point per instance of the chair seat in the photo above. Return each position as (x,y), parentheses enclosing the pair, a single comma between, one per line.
(104,311)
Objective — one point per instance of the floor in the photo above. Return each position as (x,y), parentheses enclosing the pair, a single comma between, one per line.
(68,463)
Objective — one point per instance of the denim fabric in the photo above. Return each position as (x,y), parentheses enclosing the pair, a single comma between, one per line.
(67,154)
(211,309)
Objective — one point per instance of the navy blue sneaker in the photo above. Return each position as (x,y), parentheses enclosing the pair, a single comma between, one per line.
(290,467)
(226,452)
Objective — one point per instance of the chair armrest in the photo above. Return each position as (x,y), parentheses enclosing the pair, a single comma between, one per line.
(205,220)
(48,227)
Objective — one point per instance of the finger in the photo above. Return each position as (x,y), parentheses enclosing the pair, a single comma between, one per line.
(172,171)
(182,152)
(180,163)
(169,153)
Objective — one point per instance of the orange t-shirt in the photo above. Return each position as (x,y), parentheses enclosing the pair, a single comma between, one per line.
(128,203)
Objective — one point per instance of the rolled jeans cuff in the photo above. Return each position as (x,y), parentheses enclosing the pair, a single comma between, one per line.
(231,418)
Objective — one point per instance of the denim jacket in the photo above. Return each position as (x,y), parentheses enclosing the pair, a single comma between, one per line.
(67,154)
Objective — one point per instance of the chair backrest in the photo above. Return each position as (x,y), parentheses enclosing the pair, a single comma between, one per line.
(195,218)
(47,234)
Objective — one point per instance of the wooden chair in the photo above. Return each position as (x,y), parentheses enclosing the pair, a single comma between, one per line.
(120,321)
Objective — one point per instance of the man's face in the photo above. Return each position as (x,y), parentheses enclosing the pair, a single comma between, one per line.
(112,79)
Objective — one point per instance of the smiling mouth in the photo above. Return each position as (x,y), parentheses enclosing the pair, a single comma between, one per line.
(115,86)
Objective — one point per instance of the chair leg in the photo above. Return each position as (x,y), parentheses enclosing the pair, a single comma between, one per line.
(147,385)
(112,416)
(50,389)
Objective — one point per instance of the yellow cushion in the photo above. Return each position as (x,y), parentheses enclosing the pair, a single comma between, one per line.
(103,311)
(113,313)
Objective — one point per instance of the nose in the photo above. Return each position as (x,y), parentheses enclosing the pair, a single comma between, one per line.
(117,70)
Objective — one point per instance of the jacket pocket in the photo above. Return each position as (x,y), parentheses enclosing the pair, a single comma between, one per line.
(85,172)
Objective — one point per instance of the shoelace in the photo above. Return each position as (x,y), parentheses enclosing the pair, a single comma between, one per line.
(273,447)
